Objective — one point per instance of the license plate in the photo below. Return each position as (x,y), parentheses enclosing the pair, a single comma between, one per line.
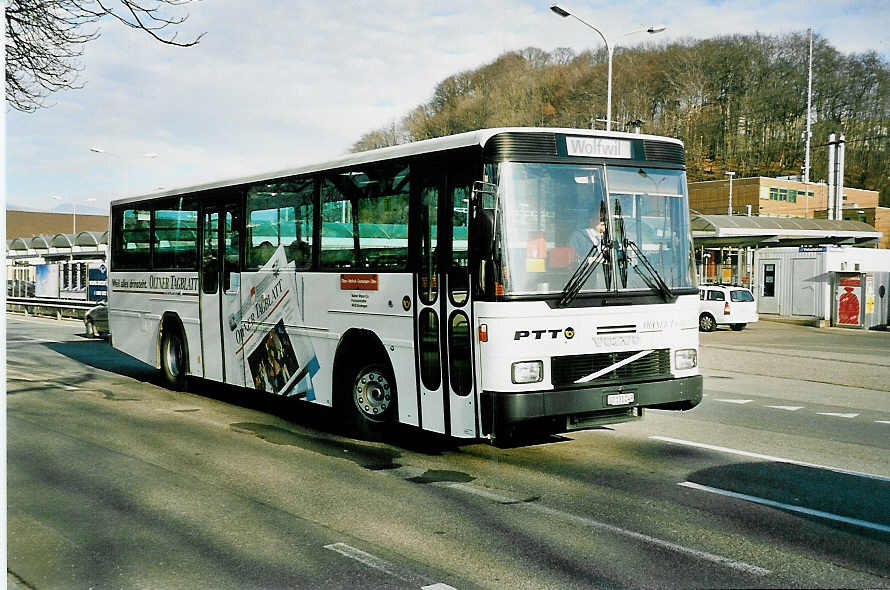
(619,399)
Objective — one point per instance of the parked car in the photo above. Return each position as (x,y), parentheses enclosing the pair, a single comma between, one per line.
(96,321)
(725,304)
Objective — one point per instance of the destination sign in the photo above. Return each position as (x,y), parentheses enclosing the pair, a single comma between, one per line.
(598,147)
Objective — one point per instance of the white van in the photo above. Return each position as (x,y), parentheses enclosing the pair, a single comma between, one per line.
(725,304)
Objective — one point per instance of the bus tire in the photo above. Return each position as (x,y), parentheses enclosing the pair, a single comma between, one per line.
(173,363)
(706,322)
(371,404)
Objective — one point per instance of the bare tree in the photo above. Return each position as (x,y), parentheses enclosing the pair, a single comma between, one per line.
(45,39)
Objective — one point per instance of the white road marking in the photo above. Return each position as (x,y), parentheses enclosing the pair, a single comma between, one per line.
(588,522)
(735,401)
(386,567)
(883,421)
(808,511)
(71,388)
(837,414)
(11,378)
(751,455)
(787,408)
(29,340)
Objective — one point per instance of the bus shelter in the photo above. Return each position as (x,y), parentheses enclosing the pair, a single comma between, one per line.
(725,244)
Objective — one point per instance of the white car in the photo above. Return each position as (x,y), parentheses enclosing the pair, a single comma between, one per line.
(725,304)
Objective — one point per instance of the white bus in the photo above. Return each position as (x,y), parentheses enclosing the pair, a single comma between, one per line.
(466,285)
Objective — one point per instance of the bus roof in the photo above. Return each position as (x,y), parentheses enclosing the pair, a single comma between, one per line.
(437,144)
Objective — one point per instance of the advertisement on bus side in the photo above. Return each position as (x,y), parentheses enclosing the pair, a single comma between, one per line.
(278,362)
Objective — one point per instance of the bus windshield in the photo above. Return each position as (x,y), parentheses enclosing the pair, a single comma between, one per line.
(554,217)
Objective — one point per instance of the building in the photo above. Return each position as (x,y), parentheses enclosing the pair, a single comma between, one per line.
(837,286)
(26,224)
(771,197)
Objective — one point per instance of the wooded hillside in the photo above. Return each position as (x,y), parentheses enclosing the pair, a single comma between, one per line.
(738,103)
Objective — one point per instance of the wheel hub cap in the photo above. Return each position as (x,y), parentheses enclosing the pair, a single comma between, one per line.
(372,394)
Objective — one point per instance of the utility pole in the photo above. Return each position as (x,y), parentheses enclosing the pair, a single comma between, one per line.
(729,209)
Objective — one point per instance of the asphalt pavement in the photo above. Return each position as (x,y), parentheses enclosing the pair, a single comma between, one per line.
(780,478)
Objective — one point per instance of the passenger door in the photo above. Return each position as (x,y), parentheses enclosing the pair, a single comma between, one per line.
(443,320)
(221,291)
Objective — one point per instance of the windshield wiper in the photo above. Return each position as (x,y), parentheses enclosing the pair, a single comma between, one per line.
(654,280)
(595,256)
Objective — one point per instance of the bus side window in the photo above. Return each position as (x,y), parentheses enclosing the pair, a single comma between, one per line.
(280,214)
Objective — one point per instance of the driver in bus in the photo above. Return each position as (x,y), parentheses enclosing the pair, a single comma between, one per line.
(584,238)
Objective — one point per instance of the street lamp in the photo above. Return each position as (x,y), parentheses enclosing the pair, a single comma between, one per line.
(563,12)
(730,175)
(73,210)
(98,150)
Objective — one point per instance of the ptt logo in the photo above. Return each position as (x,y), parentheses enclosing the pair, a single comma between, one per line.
(569,333)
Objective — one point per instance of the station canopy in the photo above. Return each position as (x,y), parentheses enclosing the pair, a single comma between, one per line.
(714,231)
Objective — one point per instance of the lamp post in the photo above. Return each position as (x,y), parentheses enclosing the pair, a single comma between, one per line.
(610,49)
(73,210)
(730,175)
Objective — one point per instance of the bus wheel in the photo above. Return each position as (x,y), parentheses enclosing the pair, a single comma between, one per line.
(373,396)
(173,360)
(706,322)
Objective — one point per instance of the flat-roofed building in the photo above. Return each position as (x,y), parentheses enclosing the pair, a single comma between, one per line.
(771,197)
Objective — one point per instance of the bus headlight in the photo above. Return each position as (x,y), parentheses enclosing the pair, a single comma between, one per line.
(527,372)
(685,358)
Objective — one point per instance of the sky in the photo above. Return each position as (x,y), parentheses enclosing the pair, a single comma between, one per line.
(276,84)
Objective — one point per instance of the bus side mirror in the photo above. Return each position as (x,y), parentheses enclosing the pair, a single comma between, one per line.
(482,241)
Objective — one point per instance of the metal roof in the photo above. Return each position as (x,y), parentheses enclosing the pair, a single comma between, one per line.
(743,230)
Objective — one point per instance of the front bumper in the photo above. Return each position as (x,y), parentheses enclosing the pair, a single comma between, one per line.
(502,410)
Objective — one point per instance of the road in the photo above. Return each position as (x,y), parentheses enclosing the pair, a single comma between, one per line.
(780,478)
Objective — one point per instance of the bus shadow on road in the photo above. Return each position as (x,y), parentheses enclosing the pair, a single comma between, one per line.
(100,355)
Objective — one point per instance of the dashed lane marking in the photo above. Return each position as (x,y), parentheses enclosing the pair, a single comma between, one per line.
(790,507)
(786,408)
(838,414)
(386,567)
(735,401)
(688,443)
